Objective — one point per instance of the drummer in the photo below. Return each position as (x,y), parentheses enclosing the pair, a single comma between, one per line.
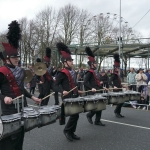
(92,82)
(65,81)
(115,82)
(11,75)
(46,82)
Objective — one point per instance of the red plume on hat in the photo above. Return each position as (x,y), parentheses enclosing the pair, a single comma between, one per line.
(47,57)
(116,60)
(13,36)
(90,54)
(64,51)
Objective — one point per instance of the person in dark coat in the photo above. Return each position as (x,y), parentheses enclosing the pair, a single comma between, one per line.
(32,84)
(115,82)
(12,85)
(104,79)
(46,82)
(92,82)
(65,81)
(54,73)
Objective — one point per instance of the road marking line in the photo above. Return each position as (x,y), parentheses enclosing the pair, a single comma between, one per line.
(126,124)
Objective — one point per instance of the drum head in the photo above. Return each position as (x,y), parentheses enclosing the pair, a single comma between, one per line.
(78,99)
(1,129)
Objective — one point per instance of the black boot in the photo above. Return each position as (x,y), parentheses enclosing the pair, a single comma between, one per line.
(68,136)
(75,137)
(89,119)
(117,115)
(99,123)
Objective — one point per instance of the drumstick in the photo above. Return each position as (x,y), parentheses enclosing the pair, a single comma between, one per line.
(17,97)
(47,96)
(72,89)
(95,91)
(115,88)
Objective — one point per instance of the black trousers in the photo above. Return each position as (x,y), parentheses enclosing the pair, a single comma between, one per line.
(14,142)
(32,89)
(56,98)
(97,117)
(44,90)
(72,123)
(132,87)
(118,108)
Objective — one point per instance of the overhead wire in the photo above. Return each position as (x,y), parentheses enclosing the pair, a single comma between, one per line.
(141,19)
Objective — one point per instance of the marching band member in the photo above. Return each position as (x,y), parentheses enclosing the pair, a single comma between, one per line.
(92,82)
(115,82)
(46,81)
(12,85)
(65,81)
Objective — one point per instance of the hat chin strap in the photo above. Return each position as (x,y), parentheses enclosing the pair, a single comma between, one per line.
(10,61)
(68,65)
(93,66)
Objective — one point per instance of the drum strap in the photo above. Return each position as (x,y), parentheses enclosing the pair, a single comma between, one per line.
(71,82)
(48,76)
(95,77)
(119,81)
(11,79)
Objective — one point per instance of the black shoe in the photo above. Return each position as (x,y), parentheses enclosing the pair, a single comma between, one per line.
(68,136)
(75,137)
(118,115)
(121,116)
(89,119)
(99,123)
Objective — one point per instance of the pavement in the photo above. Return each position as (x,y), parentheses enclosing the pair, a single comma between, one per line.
(129,133)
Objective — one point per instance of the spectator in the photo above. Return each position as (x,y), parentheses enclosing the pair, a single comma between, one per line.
(32,84)
(148,75)
(80,77)
(148,82)
(122,75)
(132,81)
(141,79)
(104,79)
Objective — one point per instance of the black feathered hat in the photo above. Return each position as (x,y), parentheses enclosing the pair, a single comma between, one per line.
(47,56)
(90,55)
(13,36)
(64,52)
(116,60)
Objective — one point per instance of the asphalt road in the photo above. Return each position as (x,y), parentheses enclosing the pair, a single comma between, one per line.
(114,136)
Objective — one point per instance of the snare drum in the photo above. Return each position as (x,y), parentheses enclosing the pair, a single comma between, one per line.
(90,103)
(127,95)
(134,96)
(116,97)
(101,105)
(31,118)
(9,125)
(47,115)
(57,108)
(73,106)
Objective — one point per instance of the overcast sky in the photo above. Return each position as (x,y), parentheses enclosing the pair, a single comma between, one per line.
(132,10)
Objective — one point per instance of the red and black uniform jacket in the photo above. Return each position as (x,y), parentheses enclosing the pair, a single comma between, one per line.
(63,84)
(91,81)
(6,90)
(115,81)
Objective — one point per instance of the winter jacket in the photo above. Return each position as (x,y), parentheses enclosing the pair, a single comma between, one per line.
(131,78)
(139,80)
